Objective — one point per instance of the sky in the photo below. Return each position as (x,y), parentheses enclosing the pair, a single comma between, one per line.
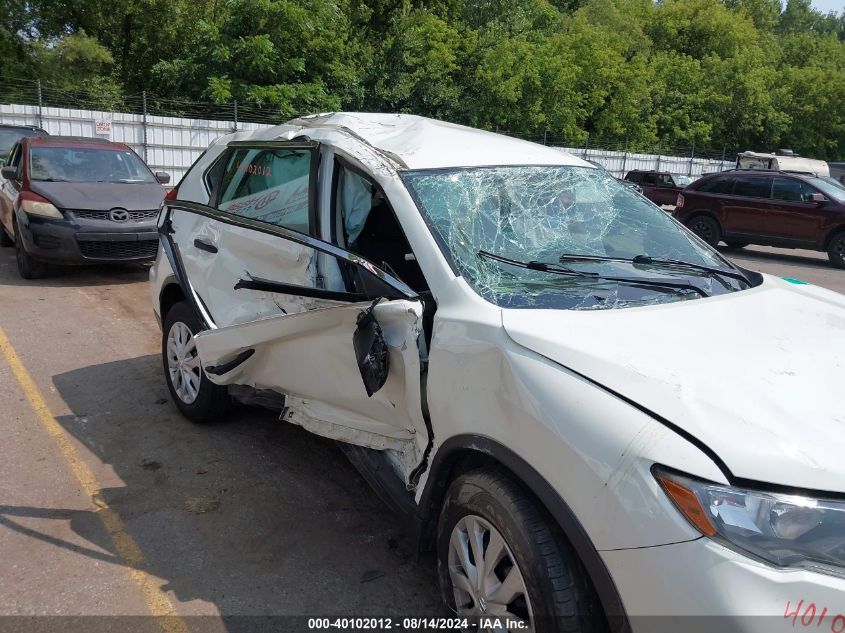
(829,5)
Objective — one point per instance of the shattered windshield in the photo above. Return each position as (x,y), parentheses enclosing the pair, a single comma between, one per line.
(578,223)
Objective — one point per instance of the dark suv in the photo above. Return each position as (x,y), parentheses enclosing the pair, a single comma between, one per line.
(661,187)
(765,207)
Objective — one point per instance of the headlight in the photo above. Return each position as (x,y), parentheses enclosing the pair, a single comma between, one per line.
(40,207)
(786,530)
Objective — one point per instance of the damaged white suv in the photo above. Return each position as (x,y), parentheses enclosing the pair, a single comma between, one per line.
(592,416)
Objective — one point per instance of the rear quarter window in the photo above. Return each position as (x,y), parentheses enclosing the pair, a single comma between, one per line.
(753,187)
(718,184)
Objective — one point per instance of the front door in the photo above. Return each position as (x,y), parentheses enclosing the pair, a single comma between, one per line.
(745,212)
(346,353)
(793,214)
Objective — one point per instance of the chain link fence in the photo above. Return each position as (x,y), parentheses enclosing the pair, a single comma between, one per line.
(170,134)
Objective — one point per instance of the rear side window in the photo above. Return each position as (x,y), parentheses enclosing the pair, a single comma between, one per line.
(650,179)
(753,187)
(269,185)
(720,184)
(792,190)
(634,177)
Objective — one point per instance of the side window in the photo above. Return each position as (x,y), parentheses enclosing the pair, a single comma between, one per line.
(792,190)
(650,179)
(634,177)
(665,180)
(366,224)
(720,184)
(269,185)
(753,187)
(211,178)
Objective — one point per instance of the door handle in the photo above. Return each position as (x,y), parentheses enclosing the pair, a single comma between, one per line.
(208,247)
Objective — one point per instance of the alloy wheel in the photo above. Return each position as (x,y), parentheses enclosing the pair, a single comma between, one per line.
(183,364)
(486,579)
(703,230)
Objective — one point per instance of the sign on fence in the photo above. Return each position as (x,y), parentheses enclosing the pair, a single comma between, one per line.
(103,126)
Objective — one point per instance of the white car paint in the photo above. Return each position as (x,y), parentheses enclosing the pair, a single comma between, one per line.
(751,375)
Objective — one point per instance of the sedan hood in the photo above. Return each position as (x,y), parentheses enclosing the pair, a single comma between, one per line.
(758,376)
(101,196)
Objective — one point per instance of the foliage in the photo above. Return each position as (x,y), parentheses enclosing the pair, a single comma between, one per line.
(746,74)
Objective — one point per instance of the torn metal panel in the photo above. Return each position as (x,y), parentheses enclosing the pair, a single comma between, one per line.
(311,356)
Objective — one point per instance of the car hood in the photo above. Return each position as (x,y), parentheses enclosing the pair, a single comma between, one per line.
(101,196)
(758,376)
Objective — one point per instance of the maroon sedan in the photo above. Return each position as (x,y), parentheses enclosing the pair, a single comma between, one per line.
(72,200)
(782,209)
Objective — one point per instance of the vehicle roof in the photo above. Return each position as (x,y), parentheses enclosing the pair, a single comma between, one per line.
(413,142)
(14,126)
(73,141)
(761,172)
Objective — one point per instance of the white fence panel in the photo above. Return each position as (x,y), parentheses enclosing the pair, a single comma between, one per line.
(173,143)
(620,163)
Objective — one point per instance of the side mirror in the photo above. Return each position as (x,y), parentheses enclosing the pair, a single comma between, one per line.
(818,198)
(9,172)
(163,177)
(371,351)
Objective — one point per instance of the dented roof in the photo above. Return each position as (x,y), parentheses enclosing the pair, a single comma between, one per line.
(415,142)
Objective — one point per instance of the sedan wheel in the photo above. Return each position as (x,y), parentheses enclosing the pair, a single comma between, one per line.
(183,365)
(197,397)
(503,565)
(485,577)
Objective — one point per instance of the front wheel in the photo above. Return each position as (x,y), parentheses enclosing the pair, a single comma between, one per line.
(28,268)
(199,399)
(5,240)
(706,228)
(500,556)
(836,251)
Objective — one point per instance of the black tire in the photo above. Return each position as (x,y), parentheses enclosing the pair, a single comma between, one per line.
(212,401)
(836,250)
(735,244)
(28,268)
(560,594)
(5,240)
(707,228)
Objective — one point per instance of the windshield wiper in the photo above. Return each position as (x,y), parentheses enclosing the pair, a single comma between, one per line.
(659,261)
(562,270)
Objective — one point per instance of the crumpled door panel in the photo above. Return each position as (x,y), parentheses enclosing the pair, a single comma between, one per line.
(312,356)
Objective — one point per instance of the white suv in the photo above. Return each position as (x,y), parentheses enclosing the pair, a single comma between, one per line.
(592,416)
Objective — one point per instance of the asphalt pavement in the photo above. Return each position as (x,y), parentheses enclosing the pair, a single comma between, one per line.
(111,504)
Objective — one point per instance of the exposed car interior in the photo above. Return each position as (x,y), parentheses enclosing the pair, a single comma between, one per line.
(367,226)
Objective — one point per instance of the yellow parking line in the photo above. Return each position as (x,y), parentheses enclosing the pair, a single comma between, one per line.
(157,602)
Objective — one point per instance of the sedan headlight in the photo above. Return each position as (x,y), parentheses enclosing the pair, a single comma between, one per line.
(786,530)
(41,207)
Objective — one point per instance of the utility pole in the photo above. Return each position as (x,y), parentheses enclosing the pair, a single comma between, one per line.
(144,123)
(40,103)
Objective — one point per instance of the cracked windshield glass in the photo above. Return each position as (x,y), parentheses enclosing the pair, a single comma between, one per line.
(564,237)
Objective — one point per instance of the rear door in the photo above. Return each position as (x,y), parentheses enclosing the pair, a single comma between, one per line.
(649,185)
(746,210)
(665,192)
(345,354)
